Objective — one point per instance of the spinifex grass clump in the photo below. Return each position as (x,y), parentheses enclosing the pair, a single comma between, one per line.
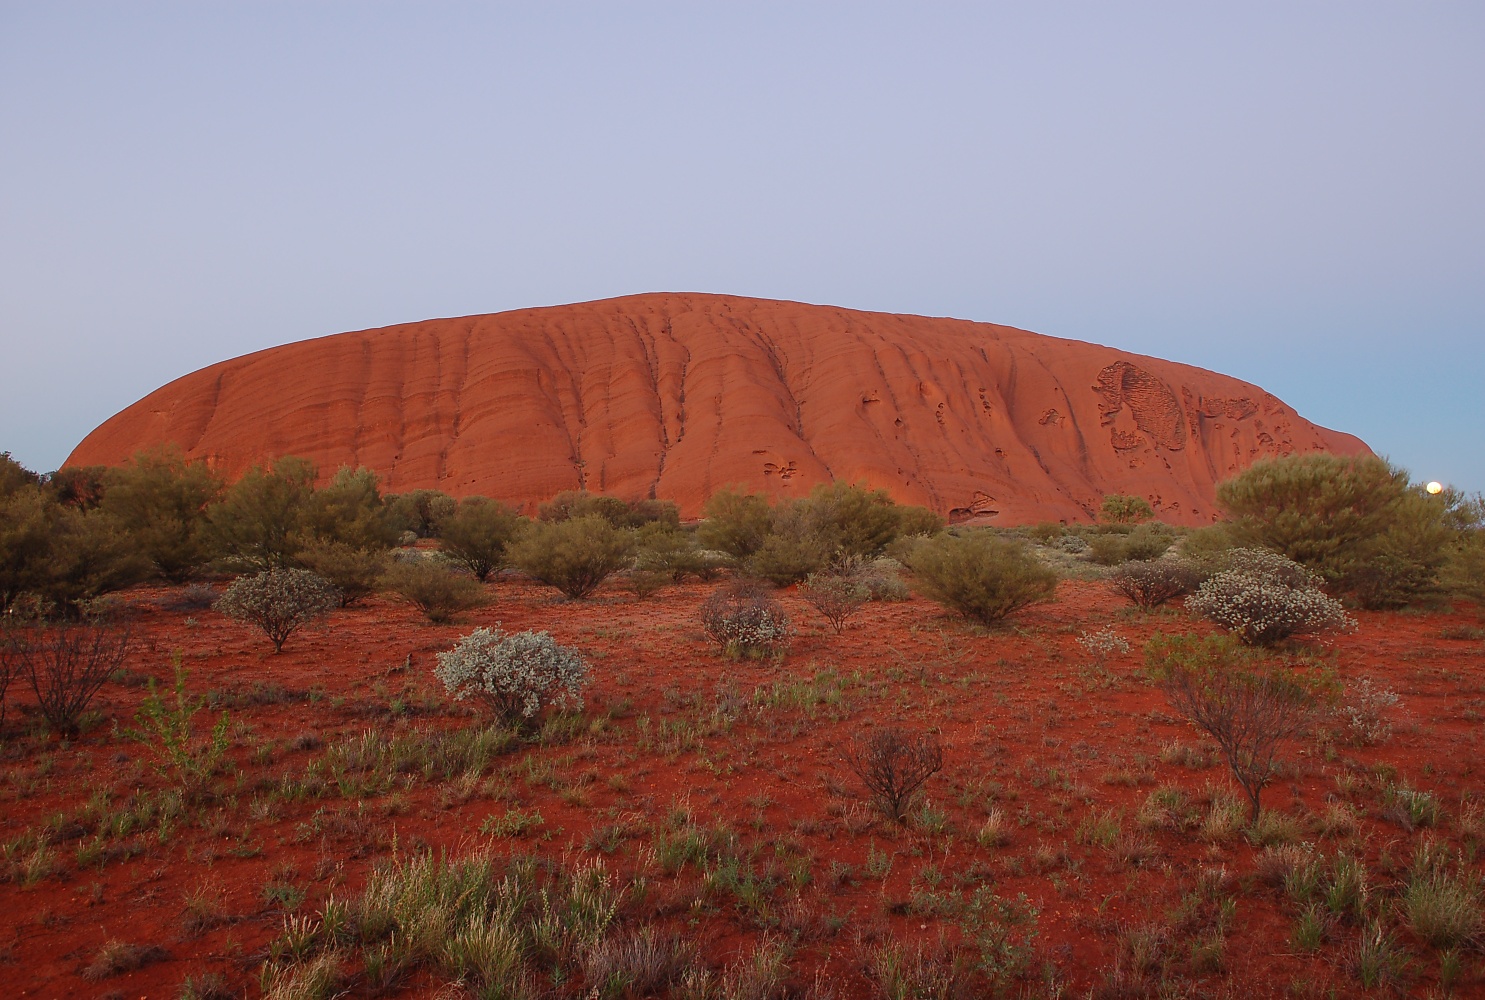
(516,676)
(1264,598)
(745,621)
(279,601)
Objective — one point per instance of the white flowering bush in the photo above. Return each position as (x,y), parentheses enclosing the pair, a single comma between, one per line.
(517,675)
(746,622)
(1361,711)
(1103,643)
(1264,598)
(279,601)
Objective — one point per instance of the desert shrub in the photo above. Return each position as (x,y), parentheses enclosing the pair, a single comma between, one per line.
(1360,712)
(516,676)
(10,663)
(1207,547)
(836,596)
(261,520)
(1245,702)
(735,523)
(478,533)
(191,597)
(1354,520)
(66,663)
(14,476)
(1151,583)
(1046,532)
(1142,544)
(89,555)
(745,621)
(79,487)
(882,579)
(1263,598)
(894,766)
(574,555)
(674,554)
(349,510)
(356,572)
(1072,544)
(434,588)
(643,583)
(278,601)
(980,576)
(1122,508)
(160,500)
(622,514)
(850,520)
(794,548)
(27,518)
(418,511)
(1463,575)
(917,522)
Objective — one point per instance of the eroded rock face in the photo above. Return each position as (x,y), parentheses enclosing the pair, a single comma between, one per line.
(678,395)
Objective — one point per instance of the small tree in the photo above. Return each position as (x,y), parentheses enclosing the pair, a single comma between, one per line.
(477,534)
(836,596)
(67,663)
(278,601)
(1122,508)
(263,519)
(436,590)
(161,500)
(1151,583)
(1246,704)
(419,511)
(516,676)
(980,576)
(574,555)
(893,766)
(745,621)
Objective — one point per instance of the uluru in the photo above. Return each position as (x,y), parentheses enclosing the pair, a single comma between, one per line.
(676,396)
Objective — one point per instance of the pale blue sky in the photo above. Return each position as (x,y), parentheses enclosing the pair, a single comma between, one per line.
(1290,193)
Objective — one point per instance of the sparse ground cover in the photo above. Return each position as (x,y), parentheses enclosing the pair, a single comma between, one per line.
(695,830)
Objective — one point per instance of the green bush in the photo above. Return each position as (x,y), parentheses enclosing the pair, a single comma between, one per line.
(1354,520)
(261,521)
(161,500)
(1121,508)
(1143,544)
(349,510)
(478,533)
(794,548)
(89,555)
(278,601)
(573,504)
(418,511)
(981,577)
(575,555)
(28,516)
(357,573)
(735,523)
(673,554)
(434,588)
(1151,583)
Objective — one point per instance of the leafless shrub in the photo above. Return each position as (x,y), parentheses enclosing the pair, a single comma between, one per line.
(1248,706)
(67,663)
(837,597)
(1150,583)
(893,766)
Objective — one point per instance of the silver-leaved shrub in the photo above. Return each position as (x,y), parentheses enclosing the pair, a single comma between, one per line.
(279,601)
(516,676)
(1264,598)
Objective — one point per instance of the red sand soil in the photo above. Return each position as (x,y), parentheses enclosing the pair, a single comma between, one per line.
(1029,722)
(678,395)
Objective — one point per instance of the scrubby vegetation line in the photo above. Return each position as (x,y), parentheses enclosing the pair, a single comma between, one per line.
(274,739)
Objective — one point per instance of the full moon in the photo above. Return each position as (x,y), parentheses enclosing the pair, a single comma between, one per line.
(1435,487)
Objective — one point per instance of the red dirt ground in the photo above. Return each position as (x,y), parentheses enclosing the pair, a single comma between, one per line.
(1028,721)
